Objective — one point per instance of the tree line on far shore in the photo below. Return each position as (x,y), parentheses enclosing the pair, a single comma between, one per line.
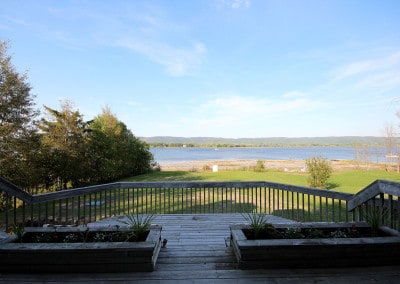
(61,150)
(217,142)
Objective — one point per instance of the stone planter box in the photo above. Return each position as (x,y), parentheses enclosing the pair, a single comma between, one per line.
(324,252)
(80,257)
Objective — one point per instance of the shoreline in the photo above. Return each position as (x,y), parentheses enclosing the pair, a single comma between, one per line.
(284,165)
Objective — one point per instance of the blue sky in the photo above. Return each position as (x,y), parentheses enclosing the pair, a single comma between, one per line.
(221,68)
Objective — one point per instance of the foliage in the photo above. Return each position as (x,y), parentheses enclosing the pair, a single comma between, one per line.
(215,142)
(61,150)
(155,167)
(293,233)
(79,152)
(81,237)
(114,152)
(114,236)
(311,233)
(18,230)
(17,118)
(315,233)
(71,238)
(63,144)
(139,224)
(258,223)
(339,234)
(375,216)
(319,170)
(260,166)
(206,168)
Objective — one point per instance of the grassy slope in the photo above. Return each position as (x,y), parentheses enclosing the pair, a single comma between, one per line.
(350,181)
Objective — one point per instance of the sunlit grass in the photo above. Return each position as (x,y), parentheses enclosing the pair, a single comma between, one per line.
(350,181)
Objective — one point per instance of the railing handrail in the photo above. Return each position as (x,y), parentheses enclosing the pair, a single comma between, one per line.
(14,190)
(376,188)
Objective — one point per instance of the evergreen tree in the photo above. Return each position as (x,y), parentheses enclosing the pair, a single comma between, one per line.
(63,141)
(18,140)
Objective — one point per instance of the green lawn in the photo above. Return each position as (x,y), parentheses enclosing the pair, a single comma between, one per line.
(350,181)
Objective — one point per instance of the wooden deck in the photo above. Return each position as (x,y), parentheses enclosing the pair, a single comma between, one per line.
(198,252)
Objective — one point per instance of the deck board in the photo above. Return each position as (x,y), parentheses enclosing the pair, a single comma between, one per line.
(198,252)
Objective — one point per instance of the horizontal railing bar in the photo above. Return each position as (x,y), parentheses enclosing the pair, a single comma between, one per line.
(68,193)
(14,190)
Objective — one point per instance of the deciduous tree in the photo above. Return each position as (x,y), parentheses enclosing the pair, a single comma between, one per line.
(320,170)
(115,151)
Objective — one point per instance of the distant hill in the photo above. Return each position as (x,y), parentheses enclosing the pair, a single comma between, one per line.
(170,141)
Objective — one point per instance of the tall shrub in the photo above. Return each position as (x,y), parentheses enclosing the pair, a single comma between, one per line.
(319,170)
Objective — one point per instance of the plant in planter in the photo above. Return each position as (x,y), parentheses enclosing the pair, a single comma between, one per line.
(18,231)
(260,227)
(313,244)
(375,216)
(139,224)
(83,249)
(136,229)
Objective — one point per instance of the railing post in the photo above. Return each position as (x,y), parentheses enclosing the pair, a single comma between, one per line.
(7,211)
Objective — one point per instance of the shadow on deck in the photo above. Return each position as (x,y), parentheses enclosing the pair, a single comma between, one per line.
(198,252)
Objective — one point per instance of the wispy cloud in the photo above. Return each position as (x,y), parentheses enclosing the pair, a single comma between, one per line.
(236,4)
(367,67)
(148,31)
(153,34)
(384,81)
(177,61)
(243,105)
(17,21)
(233,111)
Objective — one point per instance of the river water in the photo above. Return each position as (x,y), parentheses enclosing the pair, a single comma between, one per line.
(171,155)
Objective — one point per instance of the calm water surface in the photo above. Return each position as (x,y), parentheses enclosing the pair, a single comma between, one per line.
(163,155)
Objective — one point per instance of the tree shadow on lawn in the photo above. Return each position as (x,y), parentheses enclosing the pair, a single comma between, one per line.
(226,206)
(329,213)
(332,185)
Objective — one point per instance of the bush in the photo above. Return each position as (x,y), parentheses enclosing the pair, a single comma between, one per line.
(260,166)
(155,167)
(320,170)
(206,168)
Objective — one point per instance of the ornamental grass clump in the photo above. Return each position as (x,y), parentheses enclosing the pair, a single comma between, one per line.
(259,225)
(139,224)
(375,217)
